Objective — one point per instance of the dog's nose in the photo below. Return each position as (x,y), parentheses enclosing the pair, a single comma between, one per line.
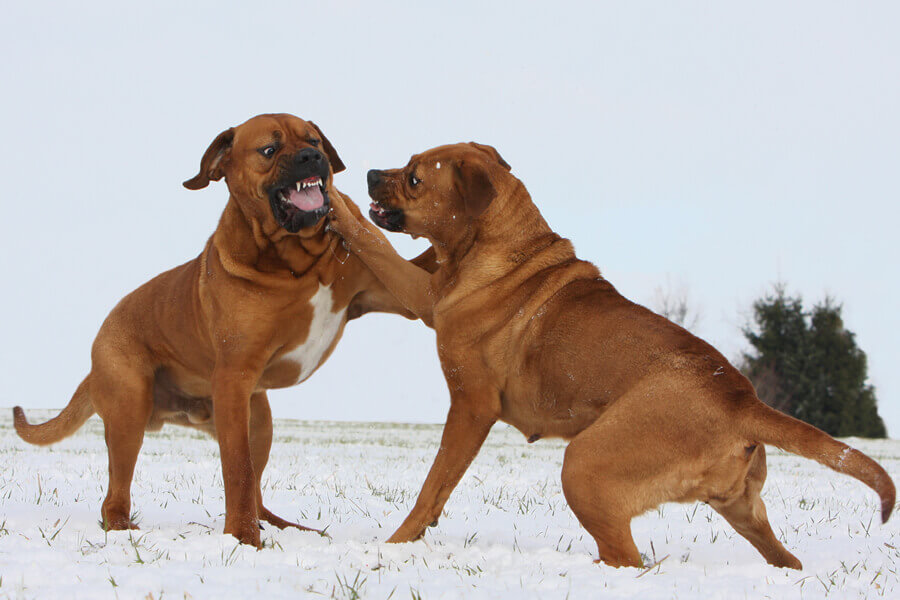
(308,156)
(373,177)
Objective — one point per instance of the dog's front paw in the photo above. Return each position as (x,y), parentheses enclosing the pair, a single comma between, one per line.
(115,517)
(407,534)
(339,216)
(118,524)
(247,534)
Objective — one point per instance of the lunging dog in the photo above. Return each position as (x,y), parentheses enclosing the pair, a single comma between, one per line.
(261,307)
(530,335)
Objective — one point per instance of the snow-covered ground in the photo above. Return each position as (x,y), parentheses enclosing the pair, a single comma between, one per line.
(506,531)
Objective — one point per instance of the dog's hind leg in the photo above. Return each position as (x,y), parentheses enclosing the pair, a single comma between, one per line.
(260,445)
(600,501)
(123,398)
(619,467)
(747,514)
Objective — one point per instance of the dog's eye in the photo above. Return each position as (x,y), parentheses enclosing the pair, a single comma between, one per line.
(267,151)
(413,180)
(314,142)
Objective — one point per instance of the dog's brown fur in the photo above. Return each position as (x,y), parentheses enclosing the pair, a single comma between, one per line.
(530,335)
(199,345)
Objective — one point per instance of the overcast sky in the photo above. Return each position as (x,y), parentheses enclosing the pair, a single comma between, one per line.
(718,146)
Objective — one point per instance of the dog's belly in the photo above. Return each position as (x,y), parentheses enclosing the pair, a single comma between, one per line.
(325,327)
(172,404)
(536,423)
(548,411)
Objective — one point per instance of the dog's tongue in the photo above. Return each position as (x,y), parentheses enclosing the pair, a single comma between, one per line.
(307,199)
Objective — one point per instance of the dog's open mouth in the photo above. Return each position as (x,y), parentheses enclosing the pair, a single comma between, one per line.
(300,204)
(385,217)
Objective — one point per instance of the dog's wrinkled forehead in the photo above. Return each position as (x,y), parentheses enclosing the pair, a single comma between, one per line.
(448,156)
(282,129)
(435,158)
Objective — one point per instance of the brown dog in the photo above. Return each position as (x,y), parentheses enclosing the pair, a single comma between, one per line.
(530,335)
(261,307)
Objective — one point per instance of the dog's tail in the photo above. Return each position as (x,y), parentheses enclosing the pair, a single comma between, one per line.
(62,425)
(778,429)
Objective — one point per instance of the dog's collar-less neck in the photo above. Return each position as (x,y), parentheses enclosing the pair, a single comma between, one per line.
(521,235)
(298,254)
(453,252)
(331,247)
(253,252)
(499,224)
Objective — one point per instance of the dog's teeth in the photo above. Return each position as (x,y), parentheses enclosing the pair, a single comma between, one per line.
(299,185)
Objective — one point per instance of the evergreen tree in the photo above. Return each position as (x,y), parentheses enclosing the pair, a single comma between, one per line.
(809,366)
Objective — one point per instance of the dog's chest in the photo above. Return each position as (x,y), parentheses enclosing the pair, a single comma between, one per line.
(323,328)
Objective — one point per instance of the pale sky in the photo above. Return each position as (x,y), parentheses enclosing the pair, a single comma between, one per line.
(722,146)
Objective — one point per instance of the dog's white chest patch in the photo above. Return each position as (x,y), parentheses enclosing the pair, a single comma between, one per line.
(322,329)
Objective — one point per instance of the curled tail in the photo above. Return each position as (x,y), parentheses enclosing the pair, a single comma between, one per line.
(792,435)
(62,425)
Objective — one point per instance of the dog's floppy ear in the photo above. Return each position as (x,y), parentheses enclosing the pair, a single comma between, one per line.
(490,150)
(211,163)
(474,186)
(337,165)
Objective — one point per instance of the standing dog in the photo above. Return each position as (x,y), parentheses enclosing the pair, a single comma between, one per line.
(261,307)
(530,335)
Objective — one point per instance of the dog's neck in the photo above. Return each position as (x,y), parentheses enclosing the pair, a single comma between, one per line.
(511,217)
(510,233)
(254,247)
(511,221)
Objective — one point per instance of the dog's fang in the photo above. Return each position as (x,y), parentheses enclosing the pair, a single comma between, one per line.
(299,185)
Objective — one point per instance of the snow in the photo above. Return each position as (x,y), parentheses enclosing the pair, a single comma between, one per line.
(506,531)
